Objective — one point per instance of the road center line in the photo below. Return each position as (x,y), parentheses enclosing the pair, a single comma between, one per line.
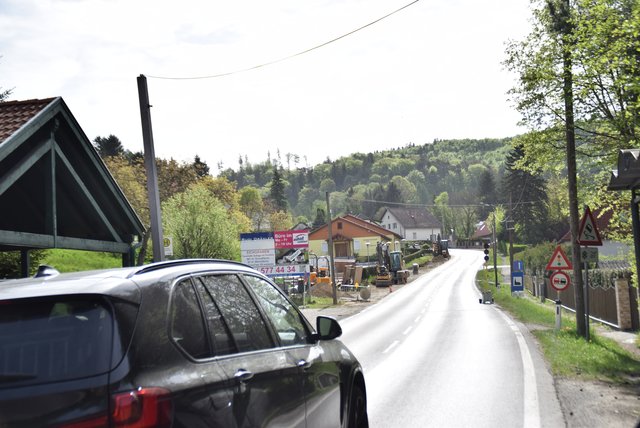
(407,330)
(417,319)
(390,347)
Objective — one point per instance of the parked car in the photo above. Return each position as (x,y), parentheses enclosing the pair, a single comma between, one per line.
(187,343)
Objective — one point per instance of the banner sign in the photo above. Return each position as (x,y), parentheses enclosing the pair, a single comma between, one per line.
(291,239)
(282,253)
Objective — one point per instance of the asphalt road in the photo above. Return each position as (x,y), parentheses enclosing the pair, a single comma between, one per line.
(434,356)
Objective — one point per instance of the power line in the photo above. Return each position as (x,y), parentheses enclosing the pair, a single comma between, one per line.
(229,73)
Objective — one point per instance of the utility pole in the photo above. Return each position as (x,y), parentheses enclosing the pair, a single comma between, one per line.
(332,266)
(562,22)
(152,173)
(495,250)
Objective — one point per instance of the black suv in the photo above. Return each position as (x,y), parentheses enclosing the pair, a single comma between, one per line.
(187,343)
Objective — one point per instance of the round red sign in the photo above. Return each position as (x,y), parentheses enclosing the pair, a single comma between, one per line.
(560,280)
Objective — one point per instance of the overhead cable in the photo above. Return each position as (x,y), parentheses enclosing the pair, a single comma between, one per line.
(213,76)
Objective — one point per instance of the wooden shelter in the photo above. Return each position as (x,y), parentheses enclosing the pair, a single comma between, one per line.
(55,191)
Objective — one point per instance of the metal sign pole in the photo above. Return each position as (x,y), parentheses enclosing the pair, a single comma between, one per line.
(586,298)
(558,311)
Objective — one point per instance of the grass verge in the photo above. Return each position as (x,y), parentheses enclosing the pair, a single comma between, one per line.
(76,260)
(568,354)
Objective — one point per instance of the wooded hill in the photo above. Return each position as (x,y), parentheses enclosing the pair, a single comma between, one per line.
(362,182)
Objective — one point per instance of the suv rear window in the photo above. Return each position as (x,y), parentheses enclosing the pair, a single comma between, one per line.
(54,339)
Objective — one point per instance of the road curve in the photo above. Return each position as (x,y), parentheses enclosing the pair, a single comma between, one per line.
(434,356)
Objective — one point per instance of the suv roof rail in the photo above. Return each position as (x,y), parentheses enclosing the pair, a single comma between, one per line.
(181,262)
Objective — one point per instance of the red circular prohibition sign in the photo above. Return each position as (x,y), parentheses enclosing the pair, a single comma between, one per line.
(560,280)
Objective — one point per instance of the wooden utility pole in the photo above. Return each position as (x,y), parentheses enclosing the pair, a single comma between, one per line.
(563,24)
(332,266)
(152,173)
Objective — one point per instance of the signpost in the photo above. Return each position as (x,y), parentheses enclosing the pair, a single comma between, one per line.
(588,235)
(517,281)
(559,279)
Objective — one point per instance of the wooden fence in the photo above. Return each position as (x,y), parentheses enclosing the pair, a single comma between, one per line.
(616,304)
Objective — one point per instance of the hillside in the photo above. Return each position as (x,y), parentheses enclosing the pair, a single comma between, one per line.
(412,175)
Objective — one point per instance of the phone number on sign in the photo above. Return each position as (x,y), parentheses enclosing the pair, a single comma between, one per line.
(270,270)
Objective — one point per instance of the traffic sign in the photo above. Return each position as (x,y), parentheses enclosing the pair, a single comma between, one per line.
(517,281)
(559,260)
(589,255)
(560,280)
(518,266)
(589,234)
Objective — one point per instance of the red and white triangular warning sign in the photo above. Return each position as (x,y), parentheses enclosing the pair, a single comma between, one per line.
(559,260)
(588,234)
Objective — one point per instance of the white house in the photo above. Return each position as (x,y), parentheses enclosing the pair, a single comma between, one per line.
(413,224)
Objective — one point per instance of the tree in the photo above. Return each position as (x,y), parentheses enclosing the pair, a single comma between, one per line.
(200,167)
(131,179)
(280,220)
(545,62)
(526,195)
(276,192)
(199,225)
(174,177)
(392,194)
(109,146)
(487,192)
(320,219)
(252,206)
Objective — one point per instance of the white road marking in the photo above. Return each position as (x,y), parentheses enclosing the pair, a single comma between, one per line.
(407,330)
(417,319)
(530,395)
(390,347)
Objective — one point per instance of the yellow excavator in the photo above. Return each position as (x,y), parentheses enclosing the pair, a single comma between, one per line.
(390,269)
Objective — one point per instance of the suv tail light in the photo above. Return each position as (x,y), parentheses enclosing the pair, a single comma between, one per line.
(142,408)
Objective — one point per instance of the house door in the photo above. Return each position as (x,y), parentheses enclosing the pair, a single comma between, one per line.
(342,249)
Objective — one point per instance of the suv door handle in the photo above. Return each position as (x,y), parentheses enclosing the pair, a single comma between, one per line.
(243,375)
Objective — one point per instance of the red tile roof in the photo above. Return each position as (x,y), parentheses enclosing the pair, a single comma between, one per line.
(14,114)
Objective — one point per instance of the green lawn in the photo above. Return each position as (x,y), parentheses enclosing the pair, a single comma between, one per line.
(75,260)
(567,353)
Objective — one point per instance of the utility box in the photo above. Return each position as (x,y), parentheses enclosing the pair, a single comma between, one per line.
(415,268)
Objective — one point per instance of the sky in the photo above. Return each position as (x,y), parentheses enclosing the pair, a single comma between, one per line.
(430,71)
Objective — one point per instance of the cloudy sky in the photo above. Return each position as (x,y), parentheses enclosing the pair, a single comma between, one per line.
(432,70)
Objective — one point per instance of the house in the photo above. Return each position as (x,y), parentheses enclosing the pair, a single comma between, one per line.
(54,188)
(412,224)
(353,238)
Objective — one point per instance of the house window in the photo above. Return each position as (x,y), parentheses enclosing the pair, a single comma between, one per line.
(395,225)
(339,225)
(415,235)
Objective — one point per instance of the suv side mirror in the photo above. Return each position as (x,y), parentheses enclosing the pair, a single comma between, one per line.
(327,328)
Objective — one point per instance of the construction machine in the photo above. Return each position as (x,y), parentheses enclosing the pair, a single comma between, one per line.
(390,269)
(441,248)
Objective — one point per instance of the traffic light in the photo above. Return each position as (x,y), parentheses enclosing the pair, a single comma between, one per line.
(486,251)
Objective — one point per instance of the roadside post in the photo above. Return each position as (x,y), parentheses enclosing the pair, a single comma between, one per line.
(588,235)
(559,279)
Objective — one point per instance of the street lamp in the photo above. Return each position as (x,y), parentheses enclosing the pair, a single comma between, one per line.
(367,243)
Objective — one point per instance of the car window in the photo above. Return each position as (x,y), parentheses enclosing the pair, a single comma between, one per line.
(284,317)
(187,324)
(247,327)
(50,340)
(220,334)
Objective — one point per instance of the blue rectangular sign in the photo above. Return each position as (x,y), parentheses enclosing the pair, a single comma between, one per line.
(517,281)
(518,266)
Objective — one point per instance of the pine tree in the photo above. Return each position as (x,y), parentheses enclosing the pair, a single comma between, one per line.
(526,194)
(277,193)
